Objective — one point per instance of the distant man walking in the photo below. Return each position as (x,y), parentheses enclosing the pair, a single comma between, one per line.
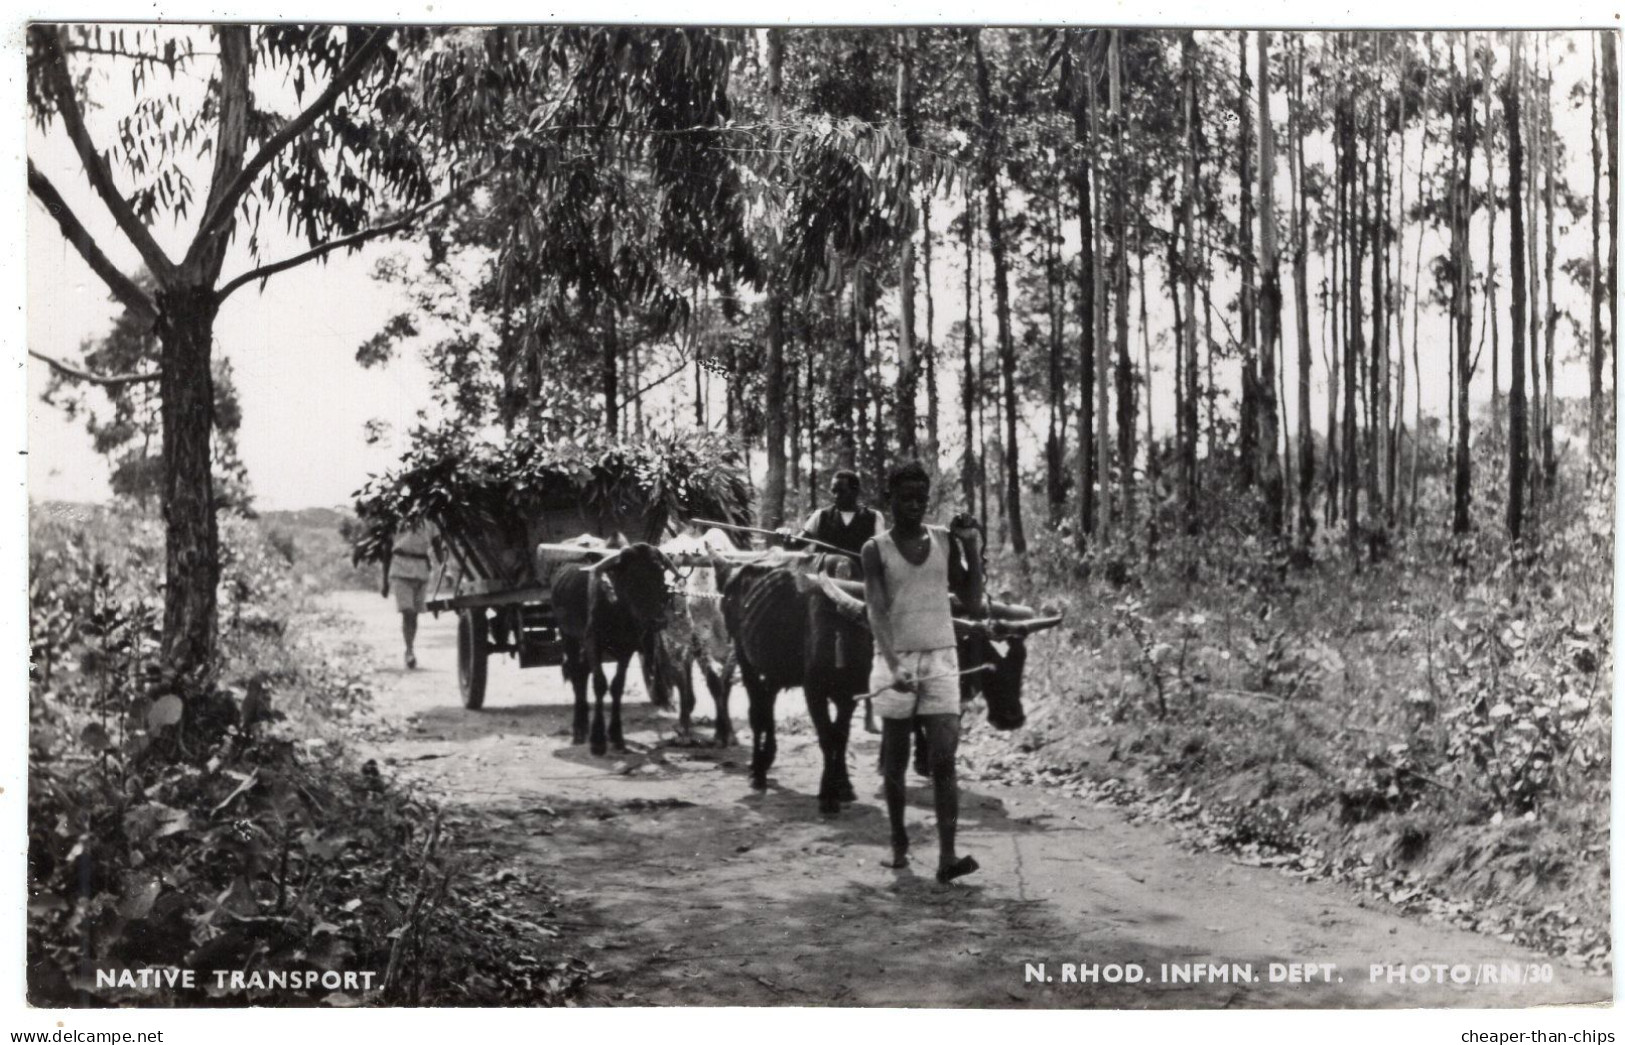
(406,576)
(908,573)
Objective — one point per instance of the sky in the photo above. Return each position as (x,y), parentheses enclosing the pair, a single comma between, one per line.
(305,400)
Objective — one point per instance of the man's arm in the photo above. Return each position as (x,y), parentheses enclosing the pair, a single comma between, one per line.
(877,600)
(792,539)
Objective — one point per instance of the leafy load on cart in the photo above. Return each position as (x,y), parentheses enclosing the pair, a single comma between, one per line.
(491,500)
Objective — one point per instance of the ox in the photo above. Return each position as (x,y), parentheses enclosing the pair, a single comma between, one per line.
(766,605)
(788,633)
(607,612)
(697,634)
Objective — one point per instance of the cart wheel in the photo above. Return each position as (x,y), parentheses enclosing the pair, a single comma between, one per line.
(472,649)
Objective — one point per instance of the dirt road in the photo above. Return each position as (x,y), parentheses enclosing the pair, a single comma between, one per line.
(687,888)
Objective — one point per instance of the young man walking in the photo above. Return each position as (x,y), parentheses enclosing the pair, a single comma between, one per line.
(908,572)
(406,575)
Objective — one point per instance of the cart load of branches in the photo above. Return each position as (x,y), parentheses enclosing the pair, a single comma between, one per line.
(492,501)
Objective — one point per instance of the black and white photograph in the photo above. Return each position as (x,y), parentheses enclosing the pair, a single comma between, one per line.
(768,516)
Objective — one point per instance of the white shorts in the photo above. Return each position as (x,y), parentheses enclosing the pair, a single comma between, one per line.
(936,696)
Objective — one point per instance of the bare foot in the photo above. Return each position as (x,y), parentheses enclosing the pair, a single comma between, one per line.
(957,869)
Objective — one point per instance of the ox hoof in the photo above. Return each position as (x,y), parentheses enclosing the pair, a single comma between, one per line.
(758,783)
(829,805)
(846,793)
(599,747)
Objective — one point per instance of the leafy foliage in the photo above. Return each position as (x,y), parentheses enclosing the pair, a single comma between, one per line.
(463,483)
(256,845)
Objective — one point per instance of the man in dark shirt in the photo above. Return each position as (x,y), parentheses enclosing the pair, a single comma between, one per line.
(849,526)
(846,525)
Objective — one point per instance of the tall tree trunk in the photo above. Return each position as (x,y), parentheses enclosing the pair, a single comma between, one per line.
(908,377)
(1548,450)
(1187,210)
(967,395)
(1153,468)
(1248,426)
(1533,152)
(773,494)
(1494,316)
(811,414)
(1269,470)
(992,149)
(1595,427)
(1461,242)
(1086,313)
(1610,112)
(1103,446)
(1353,348)
(1398,290)
(1517,427)
(1377,389)
(1300,297)
(854,421)
(932,407)
(609,374)
(1416,302)
(1054,453)
(191,535)
(1339,320)
(1126,420)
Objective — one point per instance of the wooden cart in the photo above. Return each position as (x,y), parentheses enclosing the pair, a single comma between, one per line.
(489,574)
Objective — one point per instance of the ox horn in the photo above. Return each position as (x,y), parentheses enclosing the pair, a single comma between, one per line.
(605,561)
(1020,629)
(850,607)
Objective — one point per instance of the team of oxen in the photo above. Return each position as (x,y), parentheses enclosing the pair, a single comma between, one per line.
(780,620)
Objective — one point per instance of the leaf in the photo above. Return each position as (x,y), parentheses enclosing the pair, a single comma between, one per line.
(139,896)
(95,737)
(1501,710)
(166,712)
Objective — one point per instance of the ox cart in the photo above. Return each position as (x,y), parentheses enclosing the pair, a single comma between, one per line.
(493,578)
(492,506)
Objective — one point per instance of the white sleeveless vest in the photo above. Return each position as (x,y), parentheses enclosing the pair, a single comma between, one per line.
(920,615)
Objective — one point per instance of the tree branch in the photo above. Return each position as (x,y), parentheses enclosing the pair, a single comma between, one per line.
(96,169)
(97,379)
(354,240)
(657,382)
(129,294)
(215,218)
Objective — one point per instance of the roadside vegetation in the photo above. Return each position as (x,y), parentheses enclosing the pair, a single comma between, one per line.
(246,837)
(1431,719)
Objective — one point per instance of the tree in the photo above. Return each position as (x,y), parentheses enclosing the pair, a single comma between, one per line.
(1610,110)
(1518,430)
(1461,245)
(991,148)
(773,497)
(1187,207)
(324,168)
(1126,433)
(908,378)
(1300,289)
(1598,349)
(1269,465)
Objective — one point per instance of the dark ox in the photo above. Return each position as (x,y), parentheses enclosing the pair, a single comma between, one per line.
(787,633)
(786,625)
(606,613)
